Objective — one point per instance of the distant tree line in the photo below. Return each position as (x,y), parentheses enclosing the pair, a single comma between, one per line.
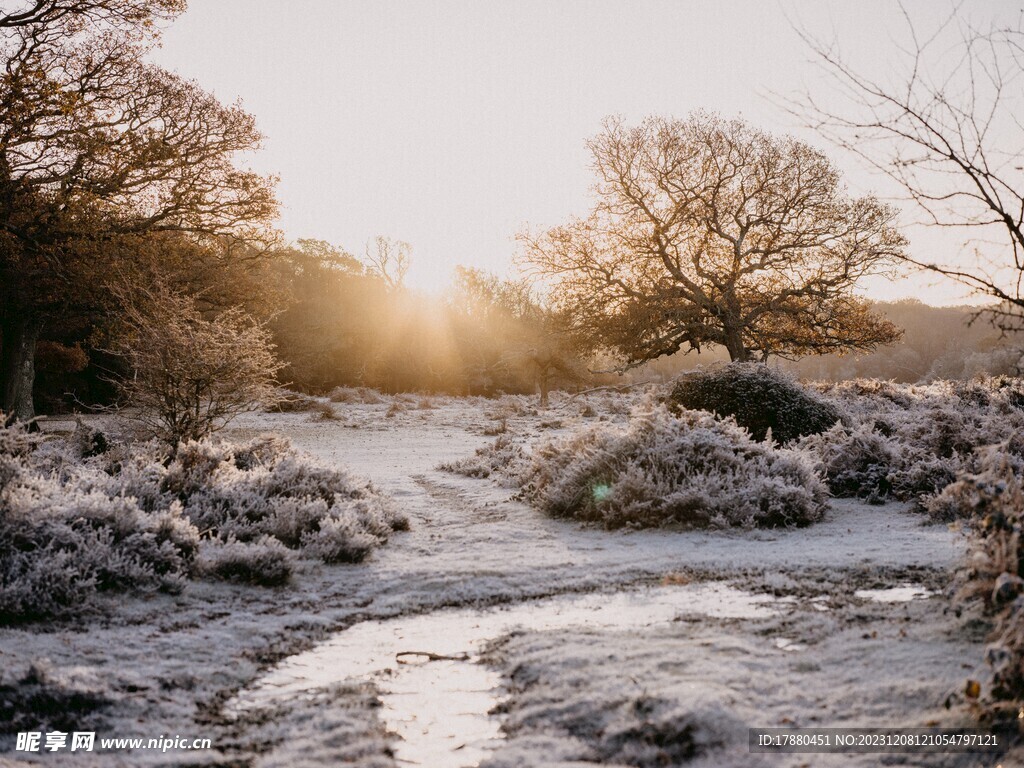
(348,322)
(937,343)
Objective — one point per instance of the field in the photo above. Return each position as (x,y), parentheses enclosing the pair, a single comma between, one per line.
(493,634)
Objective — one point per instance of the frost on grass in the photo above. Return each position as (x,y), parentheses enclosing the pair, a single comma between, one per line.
(909,442)
(761,399)
(43,700)
(563,711)
(131,519)
(503,457)
(665,469)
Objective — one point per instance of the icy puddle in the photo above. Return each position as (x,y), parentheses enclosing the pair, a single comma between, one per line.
(437,696)
(901,594)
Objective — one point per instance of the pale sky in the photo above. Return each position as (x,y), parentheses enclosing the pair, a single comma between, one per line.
(453,124)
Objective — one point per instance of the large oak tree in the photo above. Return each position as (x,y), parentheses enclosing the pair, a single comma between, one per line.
(100,150)
(708,231)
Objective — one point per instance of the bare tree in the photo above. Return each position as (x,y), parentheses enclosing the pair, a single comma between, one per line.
(709,231)
(389,260)
(945,125)
(189,375)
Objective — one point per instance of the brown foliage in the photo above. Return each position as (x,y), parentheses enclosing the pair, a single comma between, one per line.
(99,148)
(709,231)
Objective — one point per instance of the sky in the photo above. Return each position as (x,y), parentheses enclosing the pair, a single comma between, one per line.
(455,124)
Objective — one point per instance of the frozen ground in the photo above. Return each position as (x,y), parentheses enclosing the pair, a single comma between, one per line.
(827,651)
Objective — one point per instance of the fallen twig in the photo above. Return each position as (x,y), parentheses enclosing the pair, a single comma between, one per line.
(431,656)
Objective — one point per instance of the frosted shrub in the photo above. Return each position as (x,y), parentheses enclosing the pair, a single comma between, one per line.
(131,519)
(856,462)
(266,562)
(910,442)
(664,469)
(296,402)
(339,540)
(190,373)
(89,441)
(63,540)
(362,395)
(266,488)
(994,498)
(759,398)
(503,456)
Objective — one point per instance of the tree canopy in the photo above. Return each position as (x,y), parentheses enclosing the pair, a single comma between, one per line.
(99,148)
(709,231)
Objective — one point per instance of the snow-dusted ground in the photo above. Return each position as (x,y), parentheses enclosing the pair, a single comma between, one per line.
(172,666)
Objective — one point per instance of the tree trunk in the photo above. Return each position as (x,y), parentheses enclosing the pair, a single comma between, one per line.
(18,366)
(738,353)
(545,383)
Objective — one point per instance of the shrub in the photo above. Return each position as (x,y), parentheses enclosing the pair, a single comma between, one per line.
(672,469)
(89,441)
(296,402)
(499,427)
(266,488)
(130,519)
(503,456)
(758,398)
(994,499)
(62,540)
(324,412)
(355,395)
(191,374)
(339,540)
(910,442)
(265,563)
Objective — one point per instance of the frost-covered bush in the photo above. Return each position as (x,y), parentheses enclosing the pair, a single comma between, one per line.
(62,540)
(191,373)
(672,469)
(759,398)
(909,442)
(355,395)
(324,412)
(503,456)
(134,519)
(266,562)
(266,488)
(297,402)
(994,499)
(339,540)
